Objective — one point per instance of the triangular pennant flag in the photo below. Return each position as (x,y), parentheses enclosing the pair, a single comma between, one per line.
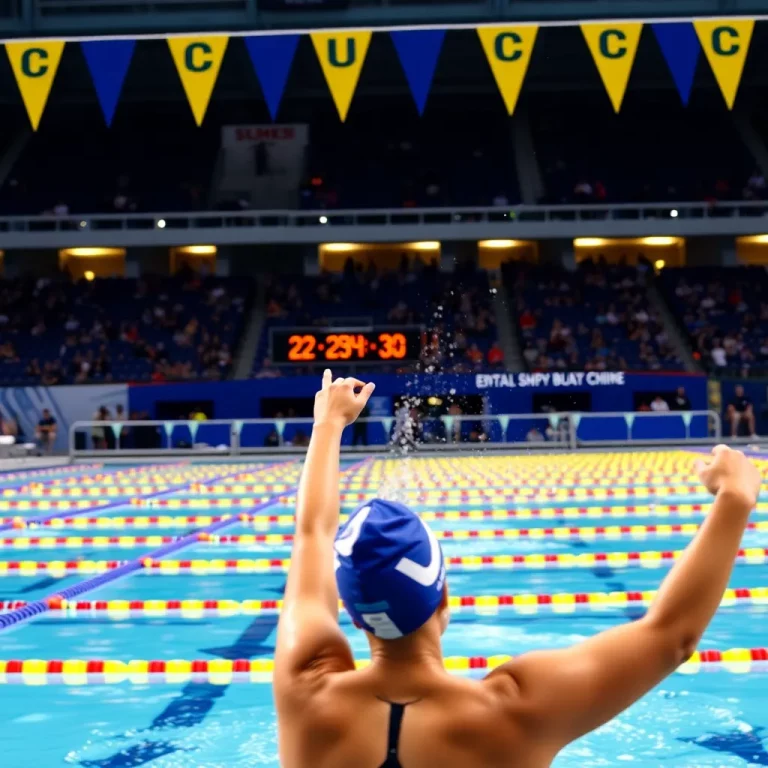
(687,418)
(193,427)
(726,44)
(280,424)
(198,61)
(629,418)
(504,421)
(680,46)
(418,50)
(272,56)
(508,50)
(387,422)
(341,55)
(34,66)
(613,47)
(108,62)
(117,428)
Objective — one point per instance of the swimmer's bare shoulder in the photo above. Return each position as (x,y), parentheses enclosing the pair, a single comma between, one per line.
(450,722)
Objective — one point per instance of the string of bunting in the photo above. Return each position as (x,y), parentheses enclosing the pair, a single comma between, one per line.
(341,55)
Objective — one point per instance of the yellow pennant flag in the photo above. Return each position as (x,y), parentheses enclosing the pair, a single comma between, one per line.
(341,56)
(198,61)
(613,47)
(508,50)
(726,43)
(34,66)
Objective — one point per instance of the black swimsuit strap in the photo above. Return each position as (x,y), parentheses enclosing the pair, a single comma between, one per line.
(396,713)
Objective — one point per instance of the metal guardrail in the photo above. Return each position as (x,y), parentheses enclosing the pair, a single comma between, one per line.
(365,217)
(234,437)
(384,225)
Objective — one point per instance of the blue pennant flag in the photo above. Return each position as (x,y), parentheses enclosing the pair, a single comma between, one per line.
(272,56)
(108,61)
(419,50)
(680,45)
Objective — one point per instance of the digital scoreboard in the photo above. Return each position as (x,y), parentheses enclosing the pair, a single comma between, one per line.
(334,345)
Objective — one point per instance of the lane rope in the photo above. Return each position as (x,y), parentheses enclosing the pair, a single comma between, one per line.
(79,672)
(572,603)
(598,533)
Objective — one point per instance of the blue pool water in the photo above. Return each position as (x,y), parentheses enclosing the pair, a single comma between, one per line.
(712,718)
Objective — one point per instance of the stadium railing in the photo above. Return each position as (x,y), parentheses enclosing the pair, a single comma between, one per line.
(554,431)
(522,221)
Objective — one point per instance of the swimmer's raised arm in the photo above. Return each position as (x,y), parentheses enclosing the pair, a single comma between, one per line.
(570,692)
(309,637)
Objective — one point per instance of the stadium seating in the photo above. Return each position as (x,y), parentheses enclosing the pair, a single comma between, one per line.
(57,332)
(597,318)
(725,313)
(628,163)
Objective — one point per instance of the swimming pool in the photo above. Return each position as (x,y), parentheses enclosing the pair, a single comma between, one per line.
(142,601)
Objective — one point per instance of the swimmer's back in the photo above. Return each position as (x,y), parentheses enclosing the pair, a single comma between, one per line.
(344,722)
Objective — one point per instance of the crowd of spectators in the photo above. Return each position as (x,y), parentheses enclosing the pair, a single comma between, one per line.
(725,312)
(56,331)
(597,318)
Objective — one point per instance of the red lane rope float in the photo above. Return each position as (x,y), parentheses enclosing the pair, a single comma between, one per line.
(224,671)
(579,603)
(463,564)
(597,533)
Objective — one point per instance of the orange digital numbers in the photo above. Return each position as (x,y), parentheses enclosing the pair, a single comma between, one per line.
(301,347)
(392,346)
(309,346)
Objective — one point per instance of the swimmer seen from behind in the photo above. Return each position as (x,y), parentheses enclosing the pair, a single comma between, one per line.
(404,710)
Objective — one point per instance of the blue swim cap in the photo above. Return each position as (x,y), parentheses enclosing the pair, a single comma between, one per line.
(389,569)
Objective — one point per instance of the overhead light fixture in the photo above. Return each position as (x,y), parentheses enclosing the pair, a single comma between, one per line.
(673,213)
(499,243)
(754,239)
(198,250)
(660,240)
(589,242)
(161,223)
(323,219)
(340,247)
(89,275)
(659,264)
(92,252)
(426,245)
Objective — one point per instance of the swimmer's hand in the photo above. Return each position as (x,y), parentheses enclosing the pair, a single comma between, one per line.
(338,403)
(730,472)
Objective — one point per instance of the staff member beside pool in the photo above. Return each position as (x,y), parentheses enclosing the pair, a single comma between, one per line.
(404,710)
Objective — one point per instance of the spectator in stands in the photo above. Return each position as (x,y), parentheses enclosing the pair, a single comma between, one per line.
(267,370)
(99,431)
(717,354)
(534,436)
(740,411)
(527,320)
(300,440)
(46,431)
(680,401)
(475,355)
(272,440)
(495,355)
(659,404)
